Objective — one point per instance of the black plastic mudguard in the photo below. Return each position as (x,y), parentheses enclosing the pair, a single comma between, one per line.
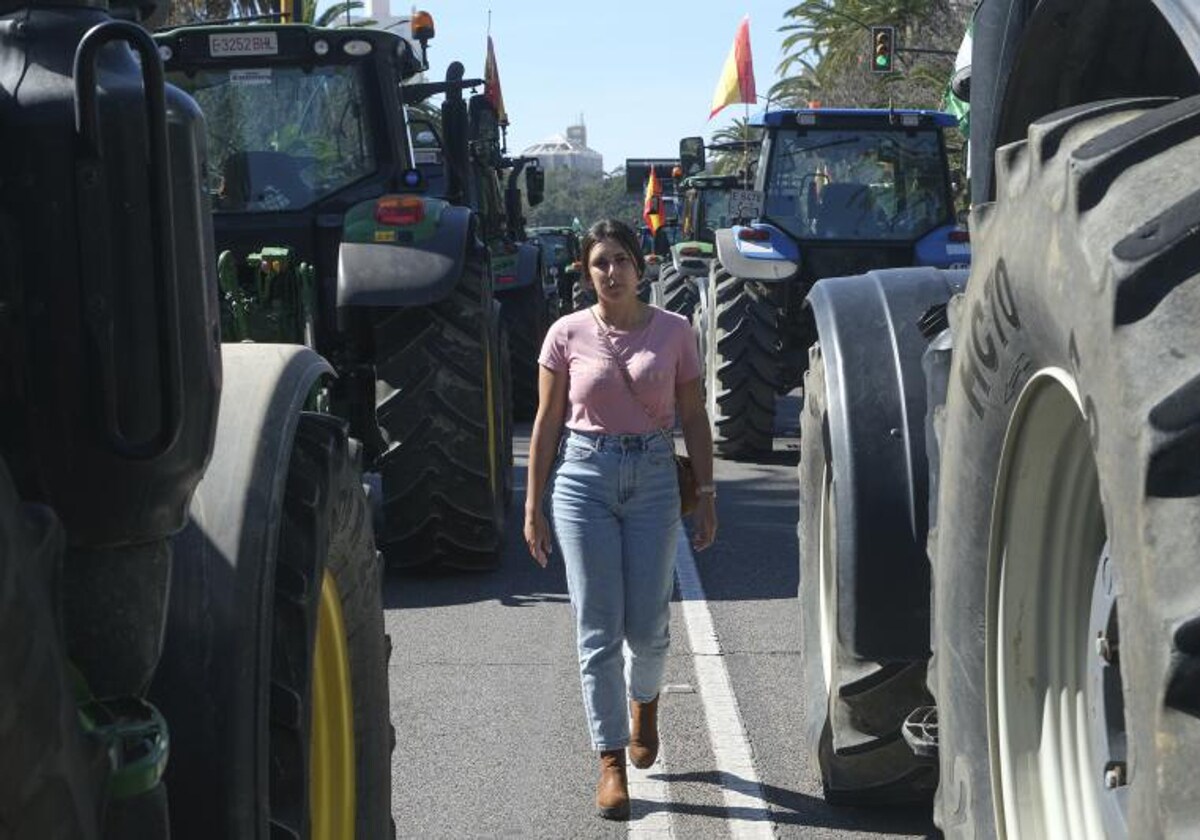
(527,265)
(399,274)
(872,346)
(768,271)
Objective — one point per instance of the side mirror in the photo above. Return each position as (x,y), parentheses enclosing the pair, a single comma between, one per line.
(535,185)
(691,155)
(960,83)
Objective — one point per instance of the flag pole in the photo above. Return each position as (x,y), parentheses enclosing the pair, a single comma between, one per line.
(504,120)
(746,146)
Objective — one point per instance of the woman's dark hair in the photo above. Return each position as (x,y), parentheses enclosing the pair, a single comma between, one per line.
(617,231)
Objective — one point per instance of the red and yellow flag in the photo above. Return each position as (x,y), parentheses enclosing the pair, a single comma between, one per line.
(652,204)
(491,84)
(737,78)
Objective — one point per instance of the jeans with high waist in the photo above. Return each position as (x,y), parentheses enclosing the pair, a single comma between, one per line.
(615,508)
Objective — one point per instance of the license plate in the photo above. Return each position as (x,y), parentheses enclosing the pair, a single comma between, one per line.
(746,204)
(251,43)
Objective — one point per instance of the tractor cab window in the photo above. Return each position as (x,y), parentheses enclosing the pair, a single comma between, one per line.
(556,247)
(853,184)
(281,138)
(716,213)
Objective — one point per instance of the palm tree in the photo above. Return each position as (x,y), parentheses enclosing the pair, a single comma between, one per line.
(735,147)
(331,15)
(198,11)
(828,50)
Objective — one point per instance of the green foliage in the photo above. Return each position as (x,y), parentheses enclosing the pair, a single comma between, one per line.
(570,195)
(734,162)
(827,55)
(828,52)
(197,11)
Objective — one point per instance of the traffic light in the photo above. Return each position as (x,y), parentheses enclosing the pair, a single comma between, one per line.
(883,49)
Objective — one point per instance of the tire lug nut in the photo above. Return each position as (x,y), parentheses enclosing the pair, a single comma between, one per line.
(1114,774)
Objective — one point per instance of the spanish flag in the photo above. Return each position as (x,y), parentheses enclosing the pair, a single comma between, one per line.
(652,204)
(737,78)
(491,84)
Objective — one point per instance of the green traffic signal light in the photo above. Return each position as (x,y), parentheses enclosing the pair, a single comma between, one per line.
(883,44)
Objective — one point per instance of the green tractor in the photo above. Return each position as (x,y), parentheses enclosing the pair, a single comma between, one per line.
(466,163)
(327,239)
(705,209)
(190,592)
(562,245)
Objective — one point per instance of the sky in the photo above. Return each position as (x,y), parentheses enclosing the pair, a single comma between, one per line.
(642,74)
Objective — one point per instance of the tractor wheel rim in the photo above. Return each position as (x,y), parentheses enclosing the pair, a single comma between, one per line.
(827,578)
(332,749)
(1051,737)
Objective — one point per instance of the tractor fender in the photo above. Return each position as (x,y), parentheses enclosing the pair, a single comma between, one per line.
(397,273)
(526,271)
(222,585)
(868,328)
(769,269)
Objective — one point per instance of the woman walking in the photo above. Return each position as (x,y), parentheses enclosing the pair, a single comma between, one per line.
(612,380)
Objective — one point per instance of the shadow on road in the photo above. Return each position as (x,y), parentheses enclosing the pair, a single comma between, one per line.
(790,807)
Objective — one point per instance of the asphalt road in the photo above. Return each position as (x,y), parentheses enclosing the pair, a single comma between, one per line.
(486,701)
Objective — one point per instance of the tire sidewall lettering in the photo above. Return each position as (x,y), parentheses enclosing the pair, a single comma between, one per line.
(994,323)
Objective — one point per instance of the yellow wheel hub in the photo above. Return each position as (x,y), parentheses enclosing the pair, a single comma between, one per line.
(331,751)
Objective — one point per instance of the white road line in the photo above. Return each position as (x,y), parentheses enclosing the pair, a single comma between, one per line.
(650,815)
(747,815)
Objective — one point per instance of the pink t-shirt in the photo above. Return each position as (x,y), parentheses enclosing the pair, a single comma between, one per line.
(657,355)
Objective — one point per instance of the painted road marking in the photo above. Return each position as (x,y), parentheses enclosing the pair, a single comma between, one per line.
(650,801)
(747,815)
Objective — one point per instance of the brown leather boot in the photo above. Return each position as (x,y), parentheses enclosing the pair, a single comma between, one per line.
(612,794)
(643,738)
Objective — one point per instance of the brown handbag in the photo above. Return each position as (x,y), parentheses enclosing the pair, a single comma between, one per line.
(684,474)
(688,497)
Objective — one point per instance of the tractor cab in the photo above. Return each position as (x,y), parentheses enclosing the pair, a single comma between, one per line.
(869,187)
(303,123)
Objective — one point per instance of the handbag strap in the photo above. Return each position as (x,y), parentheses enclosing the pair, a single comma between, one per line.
(616,357)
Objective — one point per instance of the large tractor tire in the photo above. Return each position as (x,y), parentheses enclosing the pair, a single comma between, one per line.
(274,672)
(1066,595)
(504,411)
(443,470)
(854,709)
(740,341)
(524,313)
(673,292)
(645,282)
(52,777)
(330,732)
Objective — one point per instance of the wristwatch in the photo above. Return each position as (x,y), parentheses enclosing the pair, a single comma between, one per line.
(707,490)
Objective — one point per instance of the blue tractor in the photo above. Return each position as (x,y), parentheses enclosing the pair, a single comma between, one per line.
(836,192)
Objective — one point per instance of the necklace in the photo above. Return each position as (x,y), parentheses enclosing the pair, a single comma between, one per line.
(643,317)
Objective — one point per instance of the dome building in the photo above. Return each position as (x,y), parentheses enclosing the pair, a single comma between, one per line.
(569,152)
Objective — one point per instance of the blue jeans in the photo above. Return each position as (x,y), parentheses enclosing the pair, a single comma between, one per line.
(615,508)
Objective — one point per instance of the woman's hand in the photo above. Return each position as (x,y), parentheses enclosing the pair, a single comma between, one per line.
(537,537)
(704,522)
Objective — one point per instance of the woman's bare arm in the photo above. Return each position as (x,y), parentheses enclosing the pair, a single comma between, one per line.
(543,444)
(697,437)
